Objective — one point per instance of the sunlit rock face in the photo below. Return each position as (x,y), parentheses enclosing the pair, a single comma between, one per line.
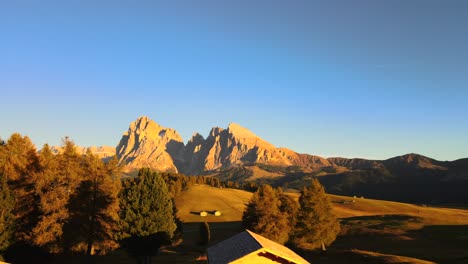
(147,144)
(235,145)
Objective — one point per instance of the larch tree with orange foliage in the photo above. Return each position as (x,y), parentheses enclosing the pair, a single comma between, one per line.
(316,226)
(19,164)
(263,215)
(94,207)
(58,179)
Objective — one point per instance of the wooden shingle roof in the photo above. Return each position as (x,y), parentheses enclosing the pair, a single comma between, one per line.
(248,242)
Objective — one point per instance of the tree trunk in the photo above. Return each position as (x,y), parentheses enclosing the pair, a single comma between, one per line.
(324,249)
(90,250)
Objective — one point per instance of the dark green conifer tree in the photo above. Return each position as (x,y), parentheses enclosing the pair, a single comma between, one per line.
(147,216)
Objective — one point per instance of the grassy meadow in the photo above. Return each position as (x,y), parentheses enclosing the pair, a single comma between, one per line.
(372,231)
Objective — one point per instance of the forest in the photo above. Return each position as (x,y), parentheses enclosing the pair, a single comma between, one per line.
(59,205)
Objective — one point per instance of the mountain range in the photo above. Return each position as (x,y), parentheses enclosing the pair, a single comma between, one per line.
(237,154)
(146,143)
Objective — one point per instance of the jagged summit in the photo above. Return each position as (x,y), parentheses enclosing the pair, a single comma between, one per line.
(197,135)
(240,131)
(196,139)
(215,131)
(147,144)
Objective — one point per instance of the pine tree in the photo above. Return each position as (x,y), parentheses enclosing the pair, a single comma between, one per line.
(59,177)
(264,217)
(147,216)
(7,204)
(316,225)
(94,208)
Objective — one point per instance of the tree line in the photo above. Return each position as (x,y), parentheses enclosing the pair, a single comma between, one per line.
(70,204)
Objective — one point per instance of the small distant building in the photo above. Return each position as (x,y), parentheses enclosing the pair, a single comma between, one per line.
(248,247)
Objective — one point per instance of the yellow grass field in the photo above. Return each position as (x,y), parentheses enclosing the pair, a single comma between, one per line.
(373,231)
(231,203)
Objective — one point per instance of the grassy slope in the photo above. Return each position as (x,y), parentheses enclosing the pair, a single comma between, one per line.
(260,173)
(229,202)
(373,231)
(232,202)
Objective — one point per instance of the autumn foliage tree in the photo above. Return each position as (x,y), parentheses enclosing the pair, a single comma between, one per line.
(263,215)
(59,178)
(316,225)
(94,208)
(7,204)
(289,207)
(19,164)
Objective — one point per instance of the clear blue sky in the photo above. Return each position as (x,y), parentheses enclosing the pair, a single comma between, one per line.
(371,79)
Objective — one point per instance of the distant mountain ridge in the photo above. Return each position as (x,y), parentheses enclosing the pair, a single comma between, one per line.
(236,153)
(148,144)
(102,152)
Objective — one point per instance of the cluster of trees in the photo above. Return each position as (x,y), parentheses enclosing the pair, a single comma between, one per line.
(68,203)
(59,203)
(307,224)
(179,182)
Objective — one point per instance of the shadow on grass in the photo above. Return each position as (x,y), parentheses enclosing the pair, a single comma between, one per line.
(195,212)
(209,212)
(448,243)
(380,222)
(404,235)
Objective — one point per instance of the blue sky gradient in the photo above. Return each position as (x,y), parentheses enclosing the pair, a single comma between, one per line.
(371,79)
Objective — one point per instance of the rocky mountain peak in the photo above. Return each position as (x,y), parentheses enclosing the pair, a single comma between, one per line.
(147,144)
(240,131)
(196,139)
(215,131)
